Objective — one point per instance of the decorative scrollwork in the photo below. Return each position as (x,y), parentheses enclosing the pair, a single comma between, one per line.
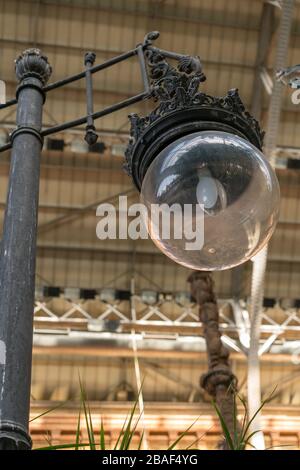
(177,87)
(173,86)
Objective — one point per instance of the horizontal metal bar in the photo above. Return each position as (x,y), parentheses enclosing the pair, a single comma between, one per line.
(82,210)
(94,69)
(10,125)
(73,78)
(6,147)
(96,115)
(95,343)
(153,253)
(80,75)
(225,327)
(8,103)
(83,120)
(168,54)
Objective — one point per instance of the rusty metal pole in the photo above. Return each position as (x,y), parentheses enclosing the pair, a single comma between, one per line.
(18,251)
(219,381)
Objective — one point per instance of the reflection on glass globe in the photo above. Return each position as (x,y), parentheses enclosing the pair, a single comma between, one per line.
(212,200)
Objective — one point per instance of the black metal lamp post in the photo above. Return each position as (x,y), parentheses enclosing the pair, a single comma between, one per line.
(18,252)
(182,112)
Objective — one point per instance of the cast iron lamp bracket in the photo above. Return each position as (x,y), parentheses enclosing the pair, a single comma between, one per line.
(182,110)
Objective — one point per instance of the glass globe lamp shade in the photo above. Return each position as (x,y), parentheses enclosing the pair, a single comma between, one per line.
(212,200)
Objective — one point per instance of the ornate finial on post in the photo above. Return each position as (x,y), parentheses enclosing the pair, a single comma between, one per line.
(33,63)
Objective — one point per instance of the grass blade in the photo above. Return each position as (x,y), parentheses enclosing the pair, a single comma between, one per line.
(256,413)
(224,427)
(78,431)
(243,438)
(128,433)
(88,418)
(48,438)
(102,437)
(48,411)
(245,419)
(184,433)
(91,428)
(248,440)
(141,441)
(198,439)
(62,446)
(279,445)
(126,436)
(132,432)
(121,432)
(235,427)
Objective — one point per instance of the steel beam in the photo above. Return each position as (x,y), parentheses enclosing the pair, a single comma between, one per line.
(80,344)
(70,217)
(260,260)
(267,26)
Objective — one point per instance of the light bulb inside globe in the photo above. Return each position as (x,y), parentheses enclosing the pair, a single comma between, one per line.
(209,192)
(212,200)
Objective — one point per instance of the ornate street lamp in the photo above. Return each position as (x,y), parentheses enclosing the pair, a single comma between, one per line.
(200,149)
(193,149)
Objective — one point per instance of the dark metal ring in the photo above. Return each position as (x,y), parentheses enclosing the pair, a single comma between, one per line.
(16,434)
(26,130)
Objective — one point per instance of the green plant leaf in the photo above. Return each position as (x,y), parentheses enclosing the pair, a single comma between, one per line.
(127,436)
(88,417)
(198,439)
(121,432)
(78,430)
(102,437)
(129,433)
(243,438)
(48,438)
(141,440)
(224,427)
(235,427)
(266,400)
(132,432)
(279,445)
(91,428)
(184,433)
(244,422)
(49,411)
(247,441)
(62,446)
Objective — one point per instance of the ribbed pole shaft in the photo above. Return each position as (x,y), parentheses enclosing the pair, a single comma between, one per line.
(18,250)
